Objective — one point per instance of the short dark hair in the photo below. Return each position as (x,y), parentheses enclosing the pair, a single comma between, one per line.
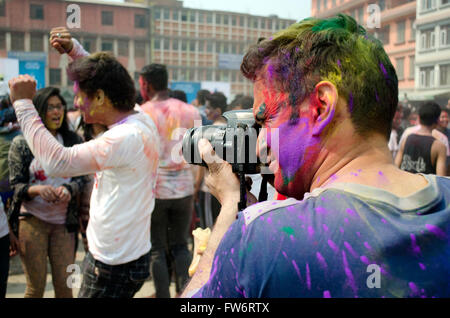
(429,113)
(202,95)
(338,50)
(156,75)
(103,71)
(246,102)
(178,94)
(218,100)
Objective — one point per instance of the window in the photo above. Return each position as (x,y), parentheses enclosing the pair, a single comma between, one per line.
(166,14)
(209,17)
(166,44)
(107,18)
(36,11)
(233,20)
(139,49)
(2,8)
(445,35)
(192,46)
(17,41)
(123,47)
(209,75)
(383,35)
(157,14)
(107,45)
(400,63)
(401,32)
(201,17)
(241,21)
(209,47)
(444,74)
(55,76)
(334,3)
(37,42)
(225,19)
(183,45)
(412,65)
(427,39)
(184,16)
(413,30)
(361,15)
(140,22)
(269,24)
(192,16)
(175,15)
(201,46)
(325,4)
(218,18)
(157,44)
(428,5)
(382,4)
(255,23)
(426,77)
(175,45)
(318,4)
(89,44)
(445,2)
(2,40)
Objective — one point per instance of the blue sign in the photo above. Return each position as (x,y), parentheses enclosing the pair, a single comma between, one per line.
(31,63)
(190,88)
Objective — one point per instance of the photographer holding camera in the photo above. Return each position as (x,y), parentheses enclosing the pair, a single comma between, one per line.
(329,91)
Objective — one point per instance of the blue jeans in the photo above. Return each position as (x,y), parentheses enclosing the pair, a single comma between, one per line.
(171,221)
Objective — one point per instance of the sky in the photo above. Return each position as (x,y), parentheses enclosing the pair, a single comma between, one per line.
(287,9)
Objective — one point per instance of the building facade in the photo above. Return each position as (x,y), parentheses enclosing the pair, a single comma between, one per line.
(122,28)
(196,45)
(433,50)
(395,27)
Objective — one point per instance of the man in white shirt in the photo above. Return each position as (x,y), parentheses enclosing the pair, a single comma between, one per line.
(124,160)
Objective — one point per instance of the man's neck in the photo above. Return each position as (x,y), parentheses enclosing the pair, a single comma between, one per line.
(367,161)
(160,96)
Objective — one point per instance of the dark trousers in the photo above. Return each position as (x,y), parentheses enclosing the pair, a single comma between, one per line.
(4,264)
(170,226)
(113,281)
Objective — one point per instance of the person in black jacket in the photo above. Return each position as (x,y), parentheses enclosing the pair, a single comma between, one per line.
(44,210)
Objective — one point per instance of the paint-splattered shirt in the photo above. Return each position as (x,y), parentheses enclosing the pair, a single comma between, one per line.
(124,160)
(173,118)
(344,241)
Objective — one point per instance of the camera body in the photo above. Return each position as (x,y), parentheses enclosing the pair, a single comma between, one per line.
(234,142)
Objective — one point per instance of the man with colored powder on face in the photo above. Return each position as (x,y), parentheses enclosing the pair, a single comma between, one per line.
(171,219)
(355,225)
(124,160)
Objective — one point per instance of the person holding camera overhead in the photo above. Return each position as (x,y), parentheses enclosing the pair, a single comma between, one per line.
(354,224)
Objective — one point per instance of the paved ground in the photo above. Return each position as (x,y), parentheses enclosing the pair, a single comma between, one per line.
(17,281)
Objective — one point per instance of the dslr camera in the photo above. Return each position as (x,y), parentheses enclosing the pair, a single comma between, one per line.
(234,142)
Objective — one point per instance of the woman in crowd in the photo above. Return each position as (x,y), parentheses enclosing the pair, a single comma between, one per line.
(44,208)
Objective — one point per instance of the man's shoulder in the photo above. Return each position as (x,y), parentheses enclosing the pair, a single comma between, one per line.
(253,212)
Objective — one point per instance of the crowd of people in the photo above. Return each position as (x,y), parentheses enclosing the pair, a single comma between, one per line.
(356,180)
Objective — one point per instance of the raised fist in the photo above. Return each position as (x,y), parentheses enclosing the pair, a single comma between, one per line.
(22,87)
(61,39)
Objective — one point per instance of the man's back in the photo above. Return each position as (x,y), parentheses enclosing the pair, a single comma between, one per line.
(172,118)
(346,241)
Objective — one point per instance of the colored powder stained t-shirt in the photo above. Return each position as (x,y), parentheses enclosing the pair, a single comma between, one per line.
(173,118)
(347,240)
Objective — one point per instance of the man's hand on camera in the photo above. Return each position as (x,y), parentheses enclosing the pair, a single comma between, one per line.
(22,87)
(221,181)
(61,39)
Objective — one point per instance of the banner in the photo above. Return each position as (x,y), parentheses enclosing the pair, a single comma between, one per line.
(31,63)
(190,88)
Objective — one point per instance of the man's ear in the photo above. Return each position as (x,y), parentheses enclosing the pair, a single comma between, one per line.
(99,97)
(324,101)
